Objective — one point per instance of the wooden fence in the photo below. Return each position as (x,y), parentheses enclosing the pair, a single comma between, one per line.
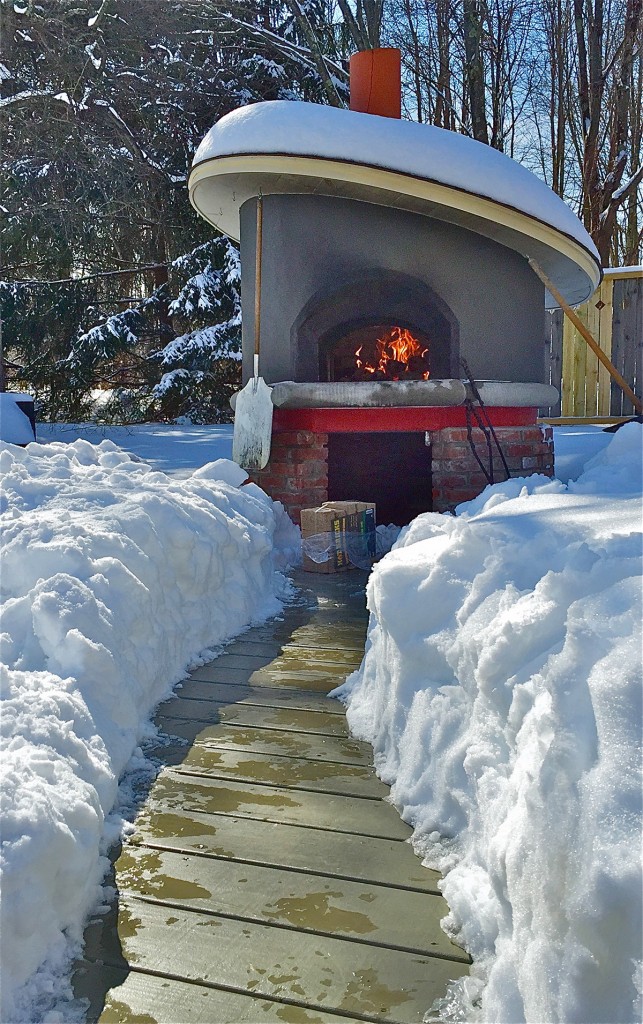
(614,315)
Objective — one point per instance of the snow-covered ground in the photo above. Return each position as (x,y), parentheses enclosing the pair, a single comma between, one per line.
(115,577)
(176,450)
(501,690)
(498,688)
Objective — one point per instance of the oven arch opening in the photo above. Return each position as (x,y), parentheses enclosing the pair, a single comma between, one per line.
(370,306)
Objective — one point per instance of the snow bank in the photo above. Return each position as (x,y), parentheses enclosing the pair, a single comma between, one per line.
(575,446)
(501,689)
(115,577)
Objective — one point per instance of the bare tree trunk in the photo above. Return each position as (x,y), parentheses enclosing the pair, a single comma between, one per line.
(3,369)
(373,10)
(264,14)
(560,31)
(358,35)
(612,194)
(161,275)
(312,42)
(444,116)
(633,228)
(365,26)
(589,28)
(474,69)
(414,59)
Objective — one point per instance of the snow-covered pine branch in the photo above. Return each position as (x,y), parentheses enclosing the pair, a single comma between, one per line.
(219,341)
(214,282)
(104,340)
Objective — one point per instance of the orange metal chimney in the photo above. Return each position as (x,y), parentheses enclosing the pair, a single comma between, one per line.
(376,82)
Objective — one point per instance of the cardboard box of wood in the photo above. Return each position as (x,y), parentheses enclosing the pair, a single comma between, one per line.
(338,535)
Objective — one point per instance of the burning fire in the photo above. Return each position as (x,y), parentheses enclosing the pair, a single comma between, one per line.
(397,353)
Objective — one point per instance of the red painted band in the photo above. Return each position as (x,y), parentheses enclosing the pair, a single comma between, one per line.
(392,420)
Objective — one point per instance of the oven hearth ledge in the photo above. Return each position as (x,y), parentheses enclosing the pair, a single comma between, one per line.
(416,393)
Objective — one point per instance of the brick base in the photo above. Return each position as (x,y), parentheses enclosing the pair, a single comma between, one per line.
(297,474)
(456,474)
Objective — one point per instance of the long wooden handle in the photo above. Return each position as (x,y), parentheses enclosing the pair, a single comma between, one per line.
(586,335)
(258,243)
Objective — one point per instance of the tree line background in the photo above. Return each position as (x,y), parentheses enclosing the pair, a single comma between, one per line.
(113,289)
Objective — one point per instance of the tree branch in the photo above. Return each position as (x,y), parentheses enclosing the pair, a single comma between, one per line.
(308,33)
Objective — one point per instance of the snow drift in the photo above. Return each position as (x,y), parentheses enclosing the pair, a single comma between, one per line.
(115,577)
(501,689)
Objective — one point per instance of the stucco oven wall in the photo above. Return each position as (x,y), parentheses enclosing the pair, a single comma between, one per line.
(313,245)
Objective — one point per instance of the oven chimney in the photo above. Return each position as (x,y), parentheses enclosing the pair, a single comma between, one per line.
(376,82)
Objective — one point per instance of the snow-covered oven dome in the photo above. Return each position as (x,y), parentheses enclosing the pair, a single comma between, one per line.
(288,148)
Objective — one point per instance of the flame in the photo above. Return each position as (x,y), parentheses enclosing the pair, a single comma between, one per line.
(398,345)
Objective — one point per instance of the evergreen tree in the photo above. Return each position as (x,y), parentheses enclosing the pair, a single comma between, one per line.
(201,367)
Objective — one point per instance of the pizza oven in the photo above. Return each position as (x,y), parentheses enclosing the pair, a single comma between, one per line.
(394,271)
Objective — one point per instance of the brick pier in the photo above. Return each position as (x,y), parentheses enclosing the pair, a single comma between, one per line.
(456,476)
(297,474)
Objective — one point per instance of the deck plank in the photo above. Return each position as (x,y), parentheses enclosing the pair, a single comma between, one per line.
(353,857)
(286,772)
(246,655)
(284,718)
(269,741)
(174,790)
(279,672)
(262,696)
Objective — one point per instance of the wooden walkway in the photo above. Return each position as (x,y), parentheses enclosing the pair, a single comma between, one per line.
(268,879)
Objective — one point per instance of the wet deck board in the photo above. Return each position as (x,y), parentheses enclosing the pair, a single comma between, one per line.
(270,741)
(297,901)
(268,878)
(246,655)
(307,674)
(176,790)
(283,718)
(130,995)
(300,848)
(259,696)
(284,772)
